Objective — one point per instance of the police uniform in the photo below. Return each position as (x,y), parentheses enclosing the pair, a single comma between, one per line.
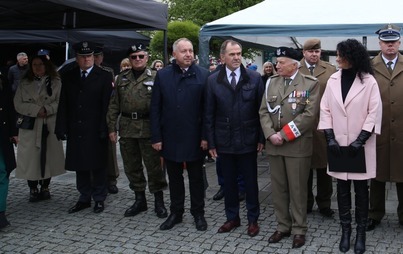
(112,162)
(291,111)
(322,71)
(131,101)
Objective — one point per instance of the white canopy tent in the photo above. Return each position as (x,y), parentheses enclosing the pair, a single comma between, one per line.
(289,23)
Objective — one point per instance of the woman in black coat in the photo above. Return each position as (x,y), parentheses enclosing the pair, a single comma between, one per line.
(8,136)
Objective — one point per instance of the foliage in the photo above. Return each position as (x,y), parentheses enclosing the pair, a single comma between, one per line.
(176,30)
(204,11)
(196,13)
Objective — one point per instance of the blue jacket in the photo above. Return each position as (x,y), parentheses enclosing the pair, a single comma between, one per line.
(232,116)
(177,111)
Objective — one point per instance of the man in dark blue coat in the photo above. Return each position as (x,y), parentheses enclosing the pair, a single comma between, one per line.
(176,129)
(234,134)
(81,119)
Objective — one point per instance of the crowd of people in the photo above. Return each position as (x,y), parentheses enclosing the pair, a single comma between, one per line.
(308,115)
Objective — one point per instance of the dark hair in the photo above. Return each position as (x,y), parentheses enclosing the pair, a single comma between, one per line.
(223,47)
(50,69)
(357,55)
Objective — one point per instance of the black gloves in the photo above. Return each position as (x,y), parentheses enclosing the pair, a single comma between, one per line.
(331,142)
(359,142)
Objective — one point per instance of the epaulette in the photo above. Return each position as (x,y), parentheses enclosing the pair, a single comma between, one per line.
(108,69)
(274,76)
(310,77)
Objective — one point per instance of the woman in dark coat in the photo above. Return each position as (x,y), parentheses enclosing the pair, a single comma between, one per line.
(8,135)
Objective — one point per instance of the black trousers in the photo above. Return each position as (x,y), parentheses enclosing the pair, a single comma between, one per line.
(177,186)
(92,183)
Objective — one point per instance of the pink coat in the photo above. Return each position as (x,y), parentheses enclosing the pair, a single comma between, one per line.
(361,110)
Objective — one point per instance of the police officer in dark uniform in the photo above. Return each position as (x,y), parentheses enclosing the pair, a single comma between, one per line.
(81,119)
(287,116)
(131,101)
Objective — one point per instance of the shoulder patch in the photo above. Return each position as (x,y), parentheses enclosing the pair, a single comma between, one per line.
(310,77)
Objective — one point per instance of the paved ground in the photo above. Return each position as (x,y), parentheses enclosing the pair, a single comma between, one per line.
(45,227)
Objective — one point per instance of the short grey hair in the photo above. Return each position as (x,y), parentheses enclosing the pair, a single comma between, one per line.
(175,45)
(224,45)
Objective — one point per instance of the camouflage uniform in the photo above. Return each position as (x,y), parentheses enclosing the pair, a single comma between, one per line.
(132,100)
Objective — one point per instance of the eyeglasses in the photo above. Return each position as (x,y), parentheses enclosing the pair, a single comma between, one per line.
(134,57)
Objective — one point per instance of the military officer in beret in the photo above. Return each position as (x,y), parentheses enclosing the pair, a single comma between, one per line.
(112,162)
(131,101)
(81,119)
(388,72)
(287,114)
(312,65)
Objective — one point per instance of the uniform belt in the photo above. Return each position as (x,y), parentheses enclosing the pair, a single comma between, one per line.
(135,115)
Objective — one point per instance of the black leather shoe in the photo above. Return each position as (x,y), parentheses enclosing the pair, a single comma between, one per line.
(44,194)
(326,212)
(219,195)
(33,195)
(3,220)
(371,224)
(172,220)
(113,189)
(99,206)
(241,196)
(201,223)
(79,206)
(136,208)
(278,236)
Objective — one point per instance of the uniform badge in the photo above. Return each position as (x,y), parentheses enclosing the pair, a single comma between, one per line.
(149,83)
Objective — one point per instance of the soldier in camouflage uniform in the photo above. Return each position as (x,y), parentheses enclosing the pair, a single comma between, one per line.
(131,101)
(112,162)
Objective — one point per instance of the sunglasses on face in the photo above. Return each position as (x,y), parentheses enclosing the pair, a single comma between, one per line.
(134,57)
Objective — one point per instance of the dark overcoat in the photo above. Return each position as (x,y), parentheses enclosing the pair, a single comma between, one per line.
(232,116)
(7,125)
(177,110)
(82,117)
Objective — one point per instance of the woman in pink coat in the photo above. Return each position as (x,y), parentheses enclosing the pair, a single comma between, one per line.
(350,113)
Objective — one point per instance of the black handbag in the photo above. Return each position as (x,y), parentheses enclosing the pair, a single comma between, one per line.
(25,122)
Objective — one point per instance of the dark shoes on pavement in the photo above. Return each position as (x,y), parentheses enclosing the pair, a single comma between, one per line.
(200,222)
(253,229)
(326,212)
(33,195)
(113,189)
(99,207)
(371,224)
(278,236)
(172,220)
(219,195)
(229,225)
(79,206)
(3,220)
(299,241)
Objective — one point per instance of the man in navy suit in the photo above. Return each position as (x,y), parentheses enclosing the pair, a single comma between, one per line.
(176,128)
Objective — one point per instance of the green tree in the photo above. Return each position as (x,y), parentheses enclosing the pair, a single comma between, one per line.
(204,11)
(176,30)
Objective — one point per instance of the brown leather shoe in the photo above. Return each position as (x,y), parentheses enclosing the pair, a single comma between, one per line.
(229,225)
(253,229)
(299,241)
(277,236)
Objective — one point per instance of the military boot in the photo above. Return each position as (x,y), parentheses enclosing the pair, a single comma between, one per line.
(159,205)
(139,206)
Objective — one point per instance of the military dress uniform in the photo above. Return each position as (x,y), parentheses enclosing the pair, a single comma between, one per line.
(131,101)
(291,110)
(322,71)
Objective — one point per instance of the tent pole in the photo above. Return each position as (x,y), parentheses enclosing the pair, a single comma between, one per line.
(364,41)
(67,51)
(165,48)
